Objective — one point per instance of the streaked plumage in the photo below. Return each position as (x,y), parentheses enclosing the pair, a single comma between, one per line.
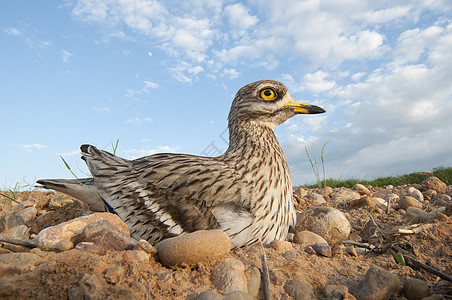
(246,192)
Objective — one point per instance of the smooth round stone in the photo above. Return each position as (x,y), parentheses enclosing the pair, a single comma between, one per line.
(228,275)
(192,248)
(299,290)
(415,289)
(433,183)
(361,189)
(408,201)
(308,238)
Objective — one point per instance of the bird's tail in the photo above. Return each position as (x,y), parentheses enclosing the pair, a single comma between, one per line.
(82,189)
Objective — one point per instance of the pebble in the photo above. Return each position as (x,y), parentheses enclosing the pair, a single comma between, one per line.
(69,230)
(415,289)
(328,222)
(105,234)
(146,247)
(113,274)
(21,232)
(351,251)
(322,249)
(228,275)
(364,201)
(434,297)
(254,283)
(327,191)
(298,290)
(209,295)
(91,248)
(414,192)
(345,196)
(307,238)
(433,183)
(28,214)
(408,201)
(192,248)
(300,191)
(361,189)
(281,246)
(19,206)
(386,195)
(316,199)
(239,295)
(90,286)
(416,215)
(132,257)
(9,221)
(17,263)
(62,246)
(336,291)
(377,284)
(337,250)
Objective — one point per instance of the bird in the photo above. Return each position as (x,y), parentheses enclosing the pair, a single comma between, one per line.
(246,191)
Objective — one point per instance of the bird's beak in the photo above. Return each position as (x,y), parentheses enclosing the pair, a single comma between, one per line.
(301,108)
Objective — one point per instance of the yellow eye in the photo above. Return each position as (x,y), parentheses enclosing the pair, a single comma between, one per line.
(268,94)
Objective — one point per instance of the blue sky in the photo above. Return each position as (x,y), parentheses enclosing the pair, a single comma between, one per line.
(160,77)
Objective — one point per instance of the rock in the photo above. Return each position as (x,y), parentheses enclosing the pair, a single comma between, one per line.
(146,247)
(28,214)
(131,257)
(322,249)
(386,195)
(351,251)
(425,173)
(113,274)
(408,201)
(361,189)
(369,230)
(72,229)
(307,238)
(17,263)
(254,283)
(416,215)
(228,275)
(62,246)
(413,192)
(298,290)
(20,206)
(209,295)
(104,233)
(434,297)
(443,200)
(433,183)
(328,222)
(415,289)
(88,287)
(378,284)
(315,199)
(327,191)
(281,246)
(9,221)
(364,201)
(344,196)
(21,232)
(238,296)
(337,250)
(91,248)
(336,291)
(300,191)
(193,248)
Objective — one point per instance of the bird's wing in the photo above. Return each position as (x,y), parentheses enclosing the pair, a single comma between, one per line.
(164,194)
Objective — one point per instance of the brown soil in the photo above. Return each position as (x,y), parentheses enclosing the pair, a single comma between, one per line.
(74,274)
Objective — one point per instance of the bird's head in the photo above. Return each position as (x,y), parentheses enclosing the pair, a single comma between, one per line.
(267,102)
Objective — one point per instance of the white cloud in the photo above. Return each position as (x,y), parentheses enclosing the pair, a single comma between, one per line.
(66,55)
(137,153)
(29,147)
(102,110)
(239,16)
(317,82)
(138,121)
(13,31)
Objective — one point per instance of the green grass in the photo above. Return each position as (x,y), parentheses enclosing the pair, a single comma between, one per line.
(443,173)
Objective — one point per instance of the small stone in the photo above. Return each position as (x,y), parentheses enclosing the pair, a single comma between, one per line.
(337,250)
(254,283)
(21,205)
(132,257)
(17,263)
(310,250)
(192,248)
(228,275)
(298,290)
(20,232)
(415,215)
(105,234)
(369,230)
(57,201)
(336,291)
(433,183)
(415,289)
(113,274)
(300,191)
(345,196)
(364,201)
(361,189)
(71,229)
(434,297)
(351,251)
(408,201)
(327,191)
(239,295)
(88,287)
(322,249)
(307,238)
(316,199)
(386,195)
(209,295)
(281,246)
(328,222)
(146,247)
(414,192)
(9,221)
(91,248)
(377,284)
(28,214)
(62,246)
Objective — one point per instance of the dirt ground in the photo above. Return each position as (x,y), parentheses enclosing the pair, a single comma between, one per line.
(75,274)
